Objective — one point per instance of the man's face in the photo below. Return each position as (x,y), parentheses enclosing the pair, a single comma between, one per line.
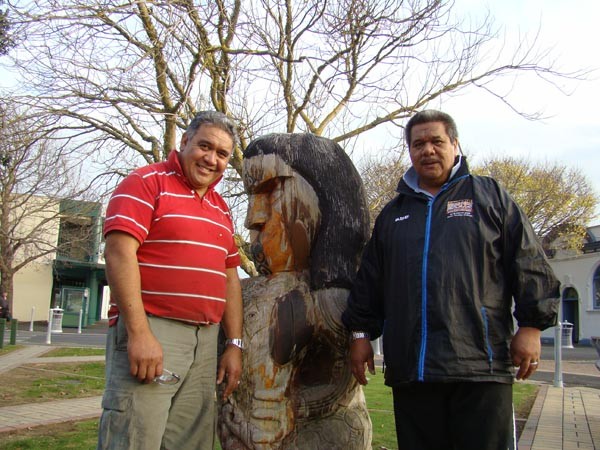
(432,154)
(204,156)
(283,215)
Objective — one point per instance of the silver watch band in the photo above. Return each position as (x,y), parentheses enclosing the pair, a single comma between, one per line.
(360,335)
(236,342)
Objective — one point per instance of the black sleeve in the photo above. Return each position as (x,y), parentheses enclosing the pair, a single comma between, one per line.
(534,286)
(364,311)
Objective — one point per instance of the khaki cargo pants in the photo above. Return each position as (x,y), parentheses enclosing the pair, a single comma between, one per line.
(153,416)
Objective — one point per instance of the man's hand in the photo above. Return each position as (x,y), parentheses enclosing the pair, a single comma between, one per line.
(361,353)
(230,365)
(123,273)
(230,369)
(525,350)
(145,356)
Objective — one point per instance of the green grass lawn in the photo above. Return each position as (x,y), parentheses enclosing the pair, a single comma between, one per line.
(34,383)
(9,348)
(72,436)
(381,410)
(75,351)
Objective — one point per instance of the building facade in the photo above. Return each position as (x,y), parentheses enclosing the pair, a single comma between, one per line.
(78,269)
(579,275)
(72,277)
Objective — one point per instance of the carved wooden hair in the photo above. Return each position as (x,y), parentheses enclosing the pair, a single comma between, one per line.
(344,226)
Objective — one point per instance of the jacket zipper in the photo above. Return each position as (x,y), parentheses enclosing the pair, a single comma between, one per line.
(486,326)
(423,350)
(424,292)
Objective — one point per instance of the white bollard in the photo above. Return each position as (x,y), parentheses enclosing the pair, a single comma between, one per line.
(32,316)
(80,320)
(558,378)
(376,344)
(49,332)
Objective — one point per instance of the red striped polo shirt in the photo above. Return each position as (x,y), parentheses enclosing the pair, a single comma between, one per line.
(186,242)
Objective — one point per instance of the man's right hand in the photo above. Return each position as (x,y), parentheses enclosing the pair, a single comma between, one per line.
(123,272)
(361,354)
(145,356)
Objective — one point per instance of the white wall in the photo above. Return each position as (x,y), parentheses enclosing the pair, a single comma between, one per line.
(577,271)
(32,285)
(32,288)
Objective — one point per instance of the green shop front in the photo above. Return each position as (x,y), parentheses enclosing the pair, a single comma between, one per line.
(78,289)
(79,276)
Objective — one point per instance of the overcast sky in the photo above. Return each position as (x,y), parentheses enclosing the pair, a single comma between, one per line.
(571,134)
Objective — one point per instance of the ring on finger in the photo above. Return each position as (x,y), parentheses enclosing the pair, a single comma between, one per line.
(534,363)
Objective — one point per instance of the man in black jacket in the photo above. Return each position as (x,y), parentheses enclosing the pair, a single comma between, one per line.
(438,278)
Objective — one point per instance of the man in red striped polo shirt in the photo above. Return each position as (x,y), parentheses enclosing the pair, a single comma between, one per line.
(171,263)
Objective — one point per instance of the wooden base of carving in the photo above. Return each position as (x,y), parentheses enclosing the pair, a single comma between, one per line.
(297,391)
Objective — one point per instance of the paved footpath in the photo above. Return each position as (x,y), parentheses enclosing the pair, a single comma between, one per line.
(564,418)
(561,418)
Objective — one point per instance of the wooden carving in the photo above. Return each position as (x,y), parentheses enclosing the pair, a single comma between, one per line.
(308,222)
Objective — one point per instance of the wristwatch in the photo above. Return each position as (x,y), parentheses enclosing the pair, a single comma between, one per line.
(236,342)
(359,335)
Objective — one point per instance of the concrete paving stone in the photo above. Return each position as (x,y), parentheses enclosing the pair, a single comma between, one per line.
(546,446)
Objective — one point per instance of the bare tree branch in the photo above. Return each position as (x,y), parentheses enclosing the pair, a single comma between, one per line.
(125,77)
(38,176)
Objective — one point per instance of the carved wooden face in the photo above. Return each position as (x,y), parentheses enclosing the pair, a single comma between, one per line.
(283,215)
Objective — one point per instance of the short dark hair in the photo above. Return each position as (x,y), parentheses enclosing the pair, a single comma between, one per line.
(214,118)
(431,115)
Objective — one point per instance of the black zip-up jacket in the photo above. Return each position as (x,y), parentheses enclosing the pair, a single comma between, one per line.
(438,278)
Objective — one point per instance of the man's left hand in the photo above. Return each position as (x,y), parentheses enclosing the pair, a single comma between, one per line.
(525,350)
(230,369)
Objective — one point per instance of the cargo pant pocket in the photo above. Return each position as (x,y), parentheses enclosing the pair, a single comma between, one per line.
(116,424)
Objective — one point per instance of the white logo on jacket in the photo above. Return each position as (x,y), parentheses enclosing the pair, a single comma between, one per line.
(459,208)
(401,218)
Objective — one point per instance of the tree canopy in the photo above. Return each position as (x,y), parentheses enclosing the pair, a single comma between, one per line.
(6,40)
(126,76)
(36,175)
(380,176)
(558,200)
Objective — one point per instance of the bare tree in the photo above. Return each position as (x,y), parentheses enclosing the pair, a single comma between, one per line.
(36,176)
(6,40)
(380,176)
(125,76)
(128,74)
(559,201)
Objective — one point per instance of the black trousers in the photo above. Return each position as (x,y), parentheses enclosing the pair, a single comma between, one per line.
(454,416)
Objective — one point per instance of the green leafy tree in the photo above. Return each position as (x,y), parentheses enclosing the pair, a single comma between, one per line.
(559,201)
